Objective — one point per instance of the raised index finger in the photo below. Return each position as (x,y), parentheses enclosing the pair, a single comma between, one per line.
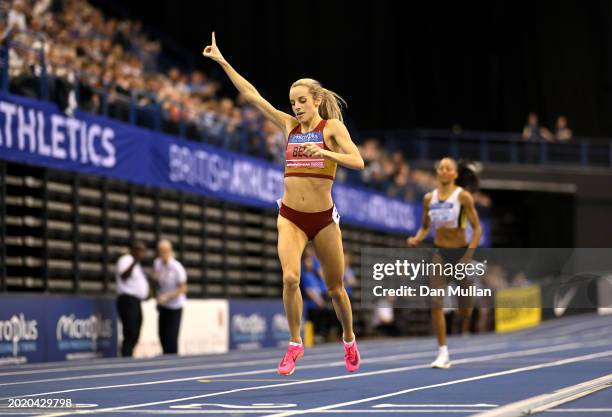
(214,41)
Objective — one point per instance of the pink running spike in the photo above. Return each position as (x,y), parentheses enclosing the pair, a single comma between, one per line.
(351,357)
(287,364)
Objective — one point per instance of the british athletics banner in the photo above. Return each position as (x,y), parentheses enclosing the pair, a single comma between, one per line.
(37,133)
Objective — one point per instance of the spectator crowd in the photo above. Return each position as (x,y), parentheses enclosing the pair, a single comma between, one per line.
(101,64)
(109,62)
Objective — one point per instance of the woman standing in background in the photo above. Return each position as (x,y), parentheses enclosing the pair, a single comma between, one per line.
(171,281)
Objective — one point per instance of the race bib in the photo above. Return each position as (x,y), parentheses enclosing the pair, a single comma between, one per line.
(295,156)
(442,215)
(336,215)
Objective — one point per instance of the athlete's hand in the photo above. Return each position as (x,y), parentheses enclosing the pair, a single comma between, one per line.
(213,52)
(412,241)
(310,150)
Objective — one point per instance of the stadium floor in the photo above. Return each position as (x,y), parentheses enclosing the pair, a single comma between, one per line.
(488,371)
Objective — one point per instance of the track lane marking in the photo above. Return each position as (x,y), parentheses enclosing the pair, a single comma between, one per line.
(477,359)
(543,365)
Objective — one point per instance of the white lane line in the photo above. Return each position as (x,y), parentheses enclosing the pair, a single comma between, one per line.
(165,370)
(138,363)
(105,363)
(489,347)
(561,325)
(241,412)
(569,399)
(580,410)
(394,344)
(109,363)
(545,401)
(347,411)
(383,359)
(557,328)
(365,346)
(591,335)
(432,405)
(216,365)
(453,382)
(477,359)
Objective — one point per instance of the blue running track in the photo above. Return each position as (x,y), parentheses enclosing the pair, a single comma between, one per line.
(395,379)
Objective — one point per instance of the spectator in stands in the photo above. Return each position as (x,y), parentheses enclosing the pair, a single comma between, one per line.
(370,152)
(171,279)
(253,125)
(424,181)
(275,143)
(562,132)
(235,130)
(533,131)
(200,85)
(402,186)
(42,6)
(132,288)
(17,16)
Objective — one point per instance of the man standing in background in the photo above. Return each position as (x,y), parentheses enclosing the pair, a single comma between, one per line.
(132,288)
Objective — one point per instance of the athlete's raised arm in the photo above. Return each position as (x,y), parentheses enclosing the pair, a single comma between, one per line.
(283,120)
(349,157)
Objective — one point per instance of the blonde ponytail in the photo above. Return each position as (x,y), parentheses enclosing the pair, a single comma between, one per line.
(331,103)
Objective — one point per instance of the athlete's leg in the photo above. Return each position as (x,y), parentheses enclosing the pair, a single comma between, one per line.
(438,320)
(291,243)
(328,247)
(466,307)
(438,281)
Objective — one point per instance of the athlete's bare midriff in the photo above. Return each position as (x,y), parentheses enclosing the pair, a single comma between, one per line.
(450,238)
(308,194)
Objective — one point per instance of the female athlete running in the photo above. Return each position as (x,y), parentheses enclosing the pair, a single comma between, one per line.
(447,208)
(317,142)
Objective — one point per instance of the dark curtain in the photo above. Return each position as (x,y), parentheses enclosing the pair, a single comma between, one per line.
(483,65)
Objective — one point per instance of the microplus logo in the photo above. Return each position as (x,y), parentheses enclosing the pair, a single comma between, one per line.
(306,137)
(252,325)
(16,329)
(92,328)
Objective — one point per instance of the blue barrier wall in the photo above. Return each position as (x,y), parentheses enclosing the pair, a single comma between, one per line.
(56,328)
(255,324)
